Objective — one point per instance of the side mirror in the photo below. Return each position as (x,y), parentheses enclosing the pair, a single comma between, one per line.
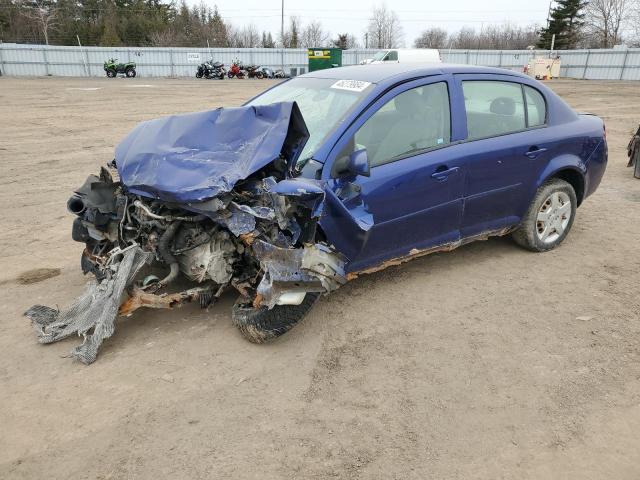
(359,163)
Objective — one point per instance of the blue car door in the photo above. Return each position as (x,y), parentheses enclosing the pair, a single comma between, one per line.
(506,149)
(412,199)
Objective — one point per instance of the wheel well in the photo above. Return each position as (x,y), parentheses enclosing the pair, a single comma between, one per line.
(575,179)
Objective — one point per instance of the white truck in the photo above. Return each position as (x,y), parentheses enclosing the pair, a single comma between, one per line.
(405,55)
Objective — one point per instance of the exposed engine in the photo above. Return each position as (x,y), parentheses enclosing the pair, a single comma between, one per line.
(211,198)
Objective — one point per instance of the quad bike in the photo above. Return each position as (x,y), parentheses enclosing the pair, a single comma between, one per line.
(113,68)
(236,70)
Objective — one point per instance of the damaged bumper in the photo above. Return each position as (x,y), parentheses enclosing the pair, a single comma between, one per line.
(245,223)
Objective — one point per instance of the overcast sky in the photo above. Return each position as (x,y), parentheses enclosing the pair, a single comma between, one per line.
(338,16)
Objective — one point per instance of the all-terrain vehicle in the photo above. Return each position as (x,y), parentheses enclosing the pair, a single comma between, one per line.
(113,68)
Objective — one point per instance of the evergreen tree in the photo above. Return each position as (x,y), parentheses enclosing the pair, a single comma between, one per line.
(565,22)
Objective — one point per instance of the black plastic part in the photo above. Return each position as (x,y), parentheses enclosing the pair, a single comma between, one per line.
(79,232)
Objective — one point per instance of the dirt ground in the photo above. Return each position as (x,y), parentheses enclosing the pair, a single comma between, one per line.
(488,362)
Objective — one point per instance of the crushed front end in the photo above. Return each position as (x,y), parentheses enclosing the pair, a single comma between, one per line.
(192,206)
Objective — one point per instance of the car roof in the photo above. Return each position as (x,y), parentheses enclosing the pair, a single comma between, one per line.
(382,72)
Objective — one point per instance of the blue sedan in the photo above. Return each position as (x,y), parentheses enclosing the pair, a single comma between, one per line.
(320,179)
(418,159)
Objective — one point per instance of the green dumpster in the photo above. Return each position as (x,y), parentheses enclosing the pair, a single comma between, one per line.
(321,58)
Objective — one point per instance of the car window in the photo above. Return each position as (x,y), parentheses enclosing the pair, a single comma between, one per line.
(323,103)
(536,107)
(412,121)
(493,108)
(391,56)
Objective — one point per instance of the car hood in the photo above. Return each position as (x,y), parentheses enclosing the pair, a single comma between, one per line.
(197,156)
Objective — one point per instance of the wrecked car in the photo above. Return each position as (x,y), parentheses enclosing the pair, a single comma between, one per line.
(320,179)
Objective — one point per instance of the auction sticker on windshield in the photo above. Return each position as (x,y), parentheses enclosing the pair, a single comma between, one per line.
(351,85)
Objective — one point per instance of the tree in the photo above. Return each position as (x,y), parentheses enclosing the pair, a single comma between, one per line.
(43,12)
(432,38)
(267,40)
(110,36)
(290,38)
(565,22)
(218,29)
(244,37)
(314,36)
(605,20)
(345,41)
(384,29)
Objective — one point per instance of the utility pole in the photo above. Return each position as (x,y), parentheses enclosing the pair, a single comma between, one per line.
(282,35)
(366,40)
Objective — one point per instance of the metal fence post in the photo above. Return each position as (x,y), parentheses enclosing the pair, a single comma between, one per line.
(46,61)
(2,70)
(586,64)
(500,59)
(624,63)
(173,73)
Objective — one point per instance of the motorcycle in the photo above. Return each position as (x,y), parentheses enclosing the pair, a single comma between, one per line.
(267,72)
(255,71)
(280,74)
(236,70)
(210,70)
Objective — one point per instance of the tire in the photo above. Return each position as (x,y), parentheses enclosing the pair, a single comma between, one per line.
(229,74)
(539,235)
(198,75)
(261,325)
(111,73)
(130,72)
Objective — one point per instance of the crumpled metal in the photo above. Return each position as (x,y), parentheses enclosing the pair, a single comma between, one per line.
(94,311)
(197,156)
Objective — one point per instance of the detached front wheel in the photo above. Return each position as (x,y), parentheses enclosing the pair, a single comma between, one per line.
(549,218)
(259,325)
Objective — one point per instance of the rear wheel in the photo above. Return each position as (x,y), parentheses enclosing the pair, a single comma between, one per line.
(111,72)
(549,218)
(131,72)
(259,325)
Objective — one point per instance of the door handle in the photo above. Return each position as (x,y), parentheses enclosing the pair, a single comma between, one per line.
(533,152)
(442,173)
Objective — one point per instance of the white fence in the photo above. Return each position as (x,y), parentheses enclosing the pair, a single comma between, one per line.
(40,60)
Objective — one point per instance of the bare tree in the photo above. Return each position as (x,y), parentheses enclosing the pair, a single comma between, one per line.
(384,30)
(43,12)
(495,37)
(244,37)
(345,41)
(314,36)
(605,20)
(635,24)
(432,38)
(291,37)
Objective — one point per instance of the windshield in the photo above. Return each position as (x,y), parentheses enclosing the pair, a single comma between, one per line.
(323,102)
(380,56)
